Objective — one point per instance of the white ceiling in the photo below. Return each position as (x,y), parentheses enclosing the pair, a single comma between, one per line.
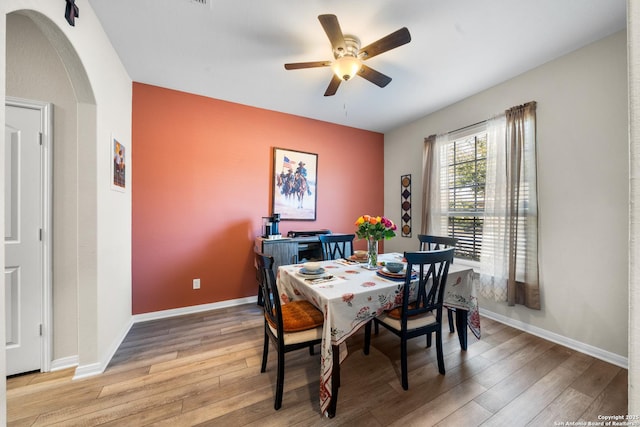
(235,50)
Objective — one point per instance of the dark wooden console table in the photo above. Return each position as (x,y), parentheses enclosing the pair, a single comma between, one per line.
(290,250)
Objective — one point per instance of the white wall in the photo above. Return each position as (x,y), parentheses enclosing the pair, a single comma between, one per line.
(3,338)
(35,71)
(633,18)
(583,187)
(103,93)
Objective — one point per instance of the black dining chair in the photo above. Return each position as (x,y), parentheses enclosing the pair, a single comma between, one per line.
(336,246)
(431,243)
(421,309)
(291,326)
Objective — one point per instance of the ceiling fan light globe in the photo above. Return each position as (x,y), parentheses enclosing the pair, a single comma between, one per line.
(346,67)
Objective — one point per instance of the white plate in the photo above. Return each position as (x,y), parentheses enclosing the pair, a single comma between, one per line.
(318,272)
(400,273)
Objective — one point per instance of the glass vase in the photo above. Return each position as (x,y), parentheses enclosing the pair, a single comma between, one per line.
(372,250)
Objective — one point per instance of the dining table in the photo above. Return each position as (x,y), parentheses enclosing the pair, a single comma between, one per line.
(350,294)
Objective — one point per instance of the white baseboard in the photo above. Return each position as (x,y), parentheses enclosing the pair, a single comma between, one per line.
(596,352)
(192,309)
(64,363)
(83,371)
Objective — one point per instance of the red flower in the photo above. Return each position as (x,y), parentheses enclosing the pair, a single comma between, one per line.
(347,298)
(398,299)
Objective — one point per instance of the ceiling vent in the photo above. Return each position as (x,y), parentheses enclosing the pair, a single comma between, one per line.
(202,2)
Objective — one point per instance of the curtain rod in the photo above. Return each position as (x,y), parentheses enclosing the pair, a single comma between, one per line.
(484,121)
(467,127)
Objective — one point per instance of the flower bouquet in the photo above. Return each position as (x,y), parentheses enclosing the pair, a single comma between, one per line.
(374,228)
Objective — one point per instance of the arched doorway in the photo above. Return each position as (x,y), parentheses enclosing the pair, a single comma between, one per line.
(42,64)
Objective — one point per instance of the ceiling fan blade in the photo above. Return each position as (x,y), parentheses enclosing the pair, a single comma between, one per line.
(375,77)
(332,28)
(333,86)
(299,65)
(391,41)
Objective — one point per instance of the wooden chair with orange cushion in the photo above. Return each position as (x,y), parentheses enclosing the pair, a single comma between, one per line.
(432,243)
(291,326)
(421,309)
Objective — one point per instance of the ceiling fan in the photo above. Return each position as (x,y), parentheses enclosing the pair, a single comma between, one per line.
(348,55)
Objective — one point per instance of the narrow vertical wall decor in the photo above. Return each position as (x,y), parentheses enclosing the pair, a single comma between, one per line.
(405,207)
(118,164)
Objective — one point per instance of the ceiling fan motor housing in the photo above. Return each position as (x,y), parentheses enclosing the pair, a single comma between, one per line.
(352,47)
(347,58)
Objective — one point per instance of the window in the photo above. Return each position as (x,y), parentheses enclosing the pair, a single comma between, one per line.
(479,186)
(464,175)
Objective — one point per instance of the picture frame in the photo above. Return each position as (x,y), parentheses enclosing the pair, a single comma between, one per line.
(118,159)
(293,170)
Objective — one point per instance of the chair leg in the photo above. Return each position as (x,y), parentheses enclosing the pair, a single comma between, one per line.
(429,340)
(450,317)
(403,363)
(265,352)
(279,381)
(439,352)
(311,351)
(367,336)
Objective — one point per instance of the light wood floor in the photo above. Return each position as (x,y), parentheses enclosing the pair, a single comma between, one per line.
(204,369)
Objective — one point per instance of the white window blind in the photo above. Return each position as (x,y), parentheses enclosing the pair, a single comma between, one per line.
(463,177)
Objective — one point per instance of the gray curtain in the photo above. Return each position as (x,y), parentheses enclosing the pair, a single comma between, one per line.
(427,188)
(522,211)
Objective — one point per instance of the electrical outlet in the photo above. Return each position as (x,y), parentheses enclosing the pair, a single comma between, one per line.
(196,283)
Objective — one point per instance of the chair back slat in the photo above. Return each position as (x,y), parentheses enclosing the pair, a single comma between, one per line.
(433,243)
(428,294)
(336,246)
(269,289)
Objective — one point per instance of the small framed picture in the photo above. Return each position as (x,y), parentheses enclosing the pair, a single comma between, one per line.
(295,184)
(118,164)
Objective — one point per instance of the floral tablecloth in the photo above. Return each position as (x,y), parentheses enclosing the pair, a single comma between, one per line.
(355,295)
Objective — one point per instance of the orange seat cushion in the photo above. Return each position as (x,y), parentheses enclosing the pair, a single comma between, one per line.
(396,313)
(300,316)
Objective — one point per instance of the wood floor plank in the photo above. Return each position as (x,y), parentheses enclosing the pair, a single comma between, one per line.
(119,406)
(596,378)
(250,348)
(204,369)
(567,407)
(430,386)
(441,407)
(470,415)
(524,408)
(533,348)
(611,401)
(502,393)
(147,416)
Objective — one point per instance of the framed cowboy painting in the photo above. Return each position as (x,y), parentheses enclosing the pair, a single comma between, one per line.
(295,184)
(118,164)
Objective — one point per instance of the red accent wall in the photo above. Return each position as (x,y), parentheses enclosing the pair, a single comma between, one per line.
(201,183)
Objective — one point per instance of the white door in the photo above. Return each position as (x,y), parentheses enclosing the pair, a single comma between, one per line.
(24,228)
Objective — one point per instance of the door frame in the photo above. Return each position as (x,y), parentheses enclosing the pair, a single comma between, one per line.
(46,166)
